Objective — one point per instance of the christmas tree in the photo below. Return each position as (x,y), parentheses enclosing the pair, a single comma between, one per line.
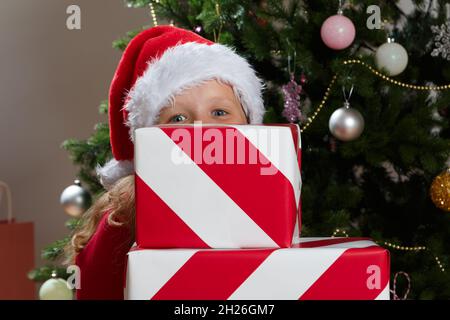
(371,178)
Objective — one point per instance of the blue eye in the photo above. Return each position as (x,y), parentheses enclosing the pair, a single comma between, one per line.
(219,113)
(178,118)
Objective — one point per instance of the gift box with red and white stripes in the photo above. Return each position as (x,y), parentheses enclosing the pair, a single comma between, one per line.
(217,186)
(315,268)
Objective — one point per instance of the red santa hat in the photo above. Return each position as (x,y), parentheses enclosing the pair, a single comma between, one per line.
(158,64)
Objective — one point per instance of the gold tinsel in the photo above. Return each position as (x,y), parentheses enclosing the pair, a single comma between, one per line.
(440,191)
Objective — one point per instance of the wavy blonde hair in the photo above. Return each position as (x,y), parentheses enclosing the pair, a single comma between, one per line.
(119,202)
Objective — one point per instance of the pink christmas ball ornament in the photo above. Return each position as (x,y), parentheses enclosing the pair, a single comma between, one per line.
(338,32)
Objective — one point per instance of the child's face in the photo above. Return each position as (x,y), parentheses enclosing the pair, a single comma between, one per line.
(211,102)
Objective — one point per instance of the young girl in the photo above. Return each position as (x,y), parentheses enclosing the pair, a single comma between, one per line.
(166,75)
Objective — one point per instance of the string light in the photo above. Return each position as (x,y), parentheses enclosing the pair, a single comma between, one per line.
(378,74)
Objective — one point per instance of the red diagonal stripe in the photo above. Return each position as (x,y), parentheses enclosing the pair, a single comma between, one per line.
(326,242)
(348,277)
(268,200)
(158,225)
(212,275)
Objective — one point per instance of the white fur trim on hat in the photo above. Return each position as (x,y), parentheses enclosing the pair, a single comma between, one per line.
(187,65)
(113,170)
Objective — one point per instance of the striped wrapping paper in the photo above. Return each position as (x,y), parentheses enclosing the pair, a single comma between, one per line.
(221,186)
(315,268)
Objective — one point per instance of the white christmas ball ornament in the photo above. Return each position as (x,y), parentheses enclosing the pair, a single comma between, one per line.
(55,289)
(391,57)
(346,123)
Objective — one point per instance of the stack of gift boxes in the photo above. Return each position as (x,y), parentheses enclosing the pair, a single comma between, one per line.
(218,216)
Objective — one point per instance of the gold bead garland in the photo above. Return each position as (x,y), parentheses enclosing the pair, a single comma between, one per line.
(153,14)
(398,83)
(339,231)
(419,248)
(378,74)
(403,248)
(441,266)
(396,247)
(321,105)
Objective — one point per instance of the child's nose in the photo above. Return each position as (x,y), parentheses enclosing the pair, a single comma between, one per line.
(202,117)
(205,120)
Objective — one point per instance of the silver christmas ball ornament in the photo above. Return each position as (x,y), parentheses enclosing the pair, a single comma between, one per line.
(391,57)
(346,124)
(75,199)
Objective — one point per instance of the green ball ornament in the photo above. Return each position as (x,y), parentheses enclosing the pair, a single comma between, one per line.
(55,289)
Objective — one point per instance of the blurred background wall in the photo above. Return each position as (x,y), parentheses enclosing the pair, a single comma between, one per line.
(51,82)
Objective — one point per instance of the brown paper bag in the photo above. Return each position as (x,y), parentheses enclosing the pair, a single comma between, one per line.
(16,253)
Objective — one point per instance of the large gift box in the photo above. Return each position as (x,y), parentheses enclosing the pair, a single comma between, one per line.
(217,186)
(315,268)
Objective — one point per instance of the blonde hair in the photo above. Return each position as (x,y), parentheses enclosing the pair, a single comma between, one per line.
(118,202)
